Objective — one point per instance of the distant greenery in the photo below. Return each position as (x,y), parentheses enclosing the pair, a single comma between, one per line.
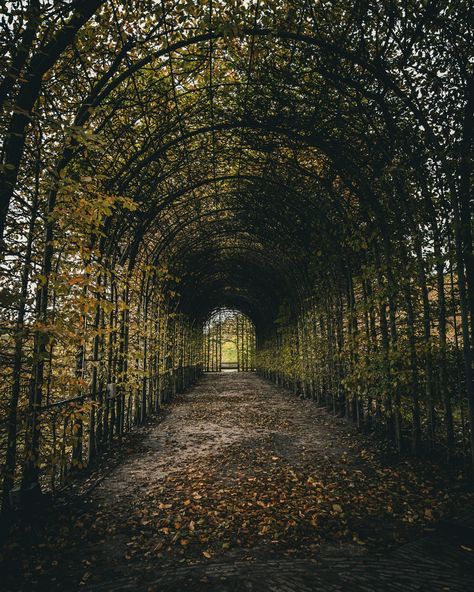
(229,337)
(229,352)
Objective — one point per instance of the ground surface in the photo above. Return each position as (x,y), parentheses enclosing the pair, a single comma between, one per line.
(239,485)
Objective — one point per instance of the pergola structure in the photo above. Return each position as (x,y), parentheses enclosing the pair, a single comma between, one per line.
(307,163)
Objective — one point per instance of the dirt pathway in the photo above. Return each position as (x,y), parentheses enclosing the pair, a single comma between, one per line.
(239,473)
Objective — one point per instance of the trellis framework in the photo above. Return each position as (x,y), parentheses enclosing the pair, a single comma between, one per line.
(308,164)
(231,328)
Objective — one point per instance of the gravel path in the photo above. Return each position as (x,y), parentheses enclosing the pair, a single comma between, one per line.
(239,485)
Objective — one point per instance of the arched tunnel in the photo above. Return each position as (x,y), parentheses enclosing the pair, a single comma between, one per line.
(299,171)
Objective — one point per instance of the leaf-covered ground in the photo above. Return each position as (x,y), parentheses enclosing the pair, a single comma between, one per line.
(235,469)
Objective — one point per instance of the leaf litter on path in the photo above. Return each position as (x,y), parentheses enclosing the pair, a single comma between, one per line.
(239,470)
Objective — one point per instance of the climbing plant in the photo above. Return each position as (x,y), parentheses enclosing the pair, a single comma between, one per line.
(308,164)
(228,342)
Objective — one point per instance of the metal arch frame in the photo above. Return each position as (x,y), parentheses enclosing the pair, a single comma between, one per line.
(330,149)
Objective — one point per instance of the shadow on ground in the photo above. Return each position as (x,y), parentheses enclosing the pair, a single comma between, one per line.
(239,485)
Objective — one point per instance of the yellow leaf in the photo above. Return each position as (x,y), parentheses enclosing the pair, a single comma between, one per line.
(75,280)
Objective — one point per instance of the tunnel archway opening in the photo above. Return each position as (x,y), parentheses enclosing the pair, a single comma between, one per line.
(229,341)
